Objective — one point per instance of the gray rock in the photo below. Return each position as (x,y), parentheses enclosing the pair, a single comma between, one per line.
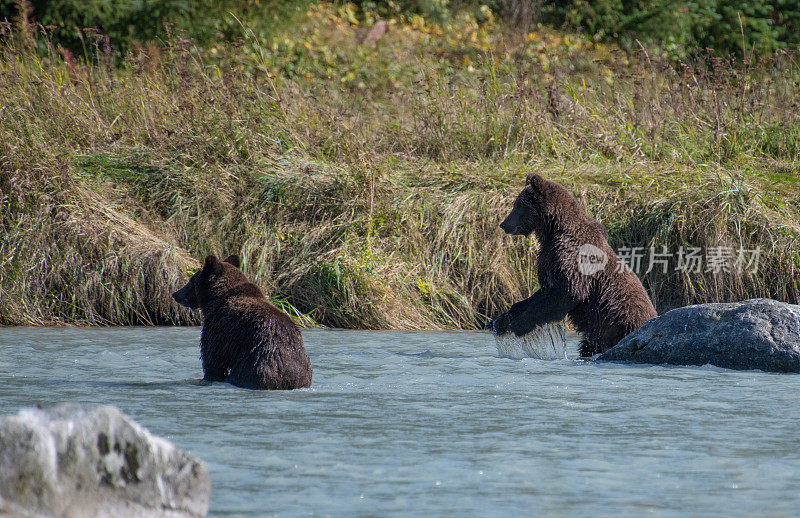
(73,460)
(754,334)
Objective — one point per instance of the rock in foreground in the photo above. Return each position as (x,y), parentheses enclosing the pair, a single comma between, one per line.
(73,460)
(754,334)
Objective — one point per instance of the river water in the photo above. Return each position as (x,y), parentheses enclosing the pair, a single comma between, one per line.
(436,423)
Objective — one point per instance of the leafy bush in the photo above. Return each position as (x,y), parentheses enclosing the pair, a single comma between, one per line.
(679,28)
(434,9)
(125,22)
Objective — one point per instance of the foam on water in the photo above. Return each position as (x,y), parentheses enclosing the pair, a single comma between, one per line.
(547,342)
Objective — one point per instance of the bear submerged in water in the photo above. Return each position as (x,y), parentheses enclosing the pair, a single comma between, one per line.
(245,341)
(579,274)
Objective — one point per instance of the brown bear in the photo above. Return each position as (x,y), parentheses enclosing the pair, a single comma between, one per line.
(245,340)
(579,274)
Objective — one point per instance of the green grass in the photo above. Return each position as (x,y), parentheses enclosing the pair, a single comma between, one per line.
(363,184)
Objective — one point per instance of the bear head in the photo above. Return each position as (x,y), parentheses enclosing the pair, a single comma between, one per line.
(544,207)
(196,292)
(530,208)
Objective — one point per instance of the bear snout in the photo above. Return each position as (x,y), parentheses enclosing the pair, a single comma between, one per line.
(509,227)
(184,297)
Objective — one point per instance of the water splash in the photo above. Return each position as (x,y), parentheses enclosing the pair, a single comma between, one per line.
(547,342)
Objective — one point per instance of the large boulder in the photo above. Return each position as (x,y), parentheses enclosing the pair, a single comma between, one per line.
(73,460)
(754,334)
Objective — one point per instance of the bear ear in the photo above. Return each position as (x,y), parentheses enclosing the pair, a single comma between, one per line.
(232,259)
(535,182)
(212,264)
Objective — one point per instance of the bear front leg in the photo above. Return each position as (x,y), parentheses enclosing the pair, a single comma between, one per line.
(543,307)
(213,371)
(500,324)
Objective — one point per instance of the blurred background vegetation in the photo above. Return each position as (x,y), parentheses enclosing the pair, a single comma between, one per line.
(360,155)
(676,28)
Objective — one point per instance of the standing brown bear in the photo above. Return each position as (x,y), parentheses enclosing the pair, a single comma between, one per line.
(579,274)
(245,341)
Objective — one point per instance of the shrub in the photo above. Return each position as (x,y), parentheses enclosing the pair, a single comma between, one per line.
(681,27)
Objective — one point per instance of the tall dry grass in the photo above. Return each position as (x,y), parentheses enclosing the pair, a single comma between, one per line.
(370,203)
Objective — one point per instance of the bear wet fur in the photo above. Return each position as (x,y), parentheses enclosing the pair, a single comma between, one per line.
(604,302)
(245,341)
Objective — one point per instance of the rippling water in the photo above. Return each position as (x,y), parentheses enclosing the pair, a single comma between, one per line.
(434,423)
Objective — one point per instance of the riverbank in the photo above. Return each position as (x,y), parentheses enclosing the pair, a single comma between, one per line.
(362,181)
